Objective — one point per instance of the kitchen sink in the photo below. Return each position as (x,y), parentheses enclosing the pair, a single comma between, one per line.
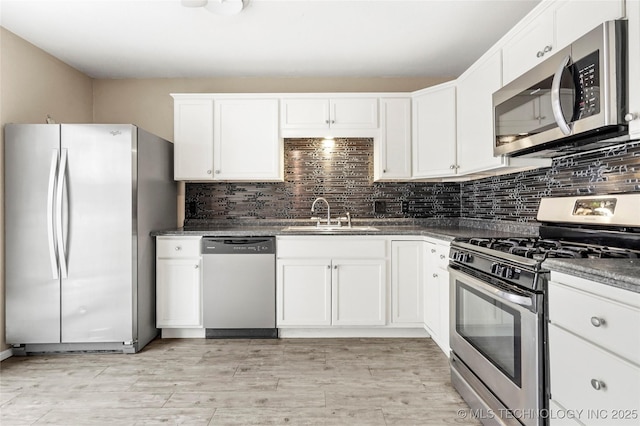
(325,228)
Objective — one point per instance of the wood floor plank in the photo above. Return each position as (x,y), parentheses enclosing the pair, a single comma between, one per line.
(236,382)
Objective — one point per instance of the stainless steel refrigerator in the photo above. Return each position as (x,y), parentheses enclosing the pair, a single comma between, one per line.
(80,202)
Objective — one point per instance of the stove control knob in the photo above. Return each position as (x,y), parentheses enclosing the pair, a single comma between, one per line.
(496,268)
(466,258)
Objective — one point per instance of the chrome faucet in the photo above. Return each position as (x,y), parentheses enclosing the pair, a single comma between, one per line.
(313,206)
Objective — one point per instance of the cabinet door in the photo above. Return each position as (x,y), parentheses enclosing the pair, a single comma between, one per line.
(304,113)
(475,117)
(246,140)
(353,113)
(406,282)
(530,46)
(434,132)
(178,293)
(392,155)
(303,292)
(633,12)
(358,292)
(193,139)
(431,292)
(591,14)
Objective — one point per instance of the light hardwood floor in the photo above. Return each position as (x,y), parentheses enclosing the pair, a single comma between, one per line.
(237,382)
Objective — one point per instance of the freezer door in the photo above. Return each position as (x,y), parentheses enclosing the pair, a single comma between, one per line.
(97,295)
(32,287)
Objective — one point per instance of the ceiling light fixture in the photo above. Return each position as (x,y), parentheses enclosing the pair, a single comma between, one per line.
(219,7)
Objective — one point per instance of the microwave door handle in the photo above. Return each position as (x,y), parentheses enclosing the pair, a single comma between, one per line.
(556,105)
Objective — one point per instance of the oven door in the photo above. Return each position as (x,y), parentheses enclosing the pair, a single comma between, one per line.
(496,332)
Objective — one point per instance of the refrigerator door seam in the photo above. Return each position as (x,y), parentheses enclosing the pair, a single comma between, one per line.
(59,219)
(53,258)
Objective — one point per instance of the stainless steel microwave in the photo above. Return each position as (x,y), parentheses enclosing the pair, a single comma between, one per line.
(574,101)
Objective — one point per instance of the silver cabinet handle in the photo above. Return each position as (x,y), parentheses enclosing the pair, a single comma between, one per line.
(442,256)
(208,172)
(435,275)
(178,248)
(597,322)
(546,49)
(629,117)
(196,266)
(335,266)
(556,105)
(597,384)
(453,166)
(433,250)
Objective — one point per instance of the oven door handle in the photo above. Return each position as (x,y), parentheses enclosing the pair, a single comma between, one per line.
(499,293)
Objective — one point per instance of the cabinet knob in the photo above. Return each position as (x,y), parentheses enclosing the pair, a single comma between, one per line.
(326,121)
(328,266)
(197,266)
(542,52)
(597,322)
(630,116)
(217,172)
(597,384)
(208,172)
(435,275)
(335,266)
(453,166)
(442,256)
(178,248)
(433,250)
(384,170)
(333,121)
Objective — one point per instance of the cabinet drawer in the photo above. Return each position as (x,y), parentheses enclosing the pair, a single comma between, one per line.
(178,247)
(575,363)
(332,247)
(577,311)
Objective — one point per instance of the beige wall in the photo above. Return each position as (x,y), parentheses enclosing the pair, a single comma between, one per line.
(32,85)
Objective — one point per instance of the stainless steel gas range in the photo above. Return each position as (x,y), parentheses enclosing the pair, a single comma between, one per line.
(498,301)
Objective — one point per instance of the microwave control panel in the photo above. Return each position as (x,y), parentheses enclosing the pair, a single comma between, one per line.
(587,76)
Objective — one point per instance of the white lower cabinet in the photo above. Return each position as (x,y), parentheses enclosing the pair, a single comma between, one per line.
(594,352)
(178,282)
(406,282)
(331,281)
(436,293)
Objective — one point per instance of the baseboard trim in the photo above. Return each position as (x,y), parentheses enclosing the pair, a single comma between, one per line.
(352,333)
(7,353)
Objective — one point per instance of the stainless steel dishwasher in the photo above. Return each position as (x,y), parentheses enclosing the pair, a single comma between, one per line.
(239,289)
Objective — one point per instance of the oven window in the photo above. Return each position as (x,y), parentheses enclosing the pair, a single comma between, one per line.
(491,327)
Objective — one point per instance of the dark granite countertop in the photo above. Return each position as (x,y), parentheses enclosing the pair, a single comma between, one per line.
(621,273)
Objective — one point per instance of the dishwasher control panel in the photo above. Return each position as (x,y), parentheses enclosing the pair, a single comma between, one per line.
(238,245)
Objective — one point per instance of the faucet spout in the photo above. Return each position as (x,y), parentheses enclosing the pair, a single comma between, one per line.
(313,206)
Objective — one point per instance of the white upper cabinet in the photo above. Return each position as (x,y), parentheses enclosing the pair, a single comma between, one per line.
(227,137)
(575,18)
(392,150)
(475,116)
(552,27)
(529,46)
(633,13)
(323,113)
(193,139)
(246,140)
(434,131)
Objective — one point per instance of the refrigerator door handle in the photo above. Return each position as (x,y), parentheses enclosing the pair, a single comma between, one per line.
(50,219)
(59,216)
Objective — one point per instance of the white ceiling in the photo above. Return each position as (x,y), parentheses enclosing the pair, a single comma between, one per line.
(305,38)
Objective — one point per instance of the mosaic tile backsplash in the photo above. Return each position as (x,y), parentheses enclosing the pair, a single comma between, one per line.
(343,174)
(516,197)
